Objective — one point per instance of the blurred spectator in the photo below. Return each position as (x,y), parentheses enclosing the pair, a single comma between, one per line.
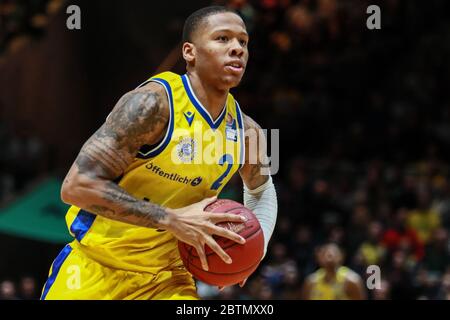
(274,271)
(260,289)
(444,293)
(383,293)
(290,287)
(27,289)
(20,20)
(399,236)
(424,220)
(303,251)
(426,284)
(400,275)
(8,290)
(357,229)
(437,254)
(371,250)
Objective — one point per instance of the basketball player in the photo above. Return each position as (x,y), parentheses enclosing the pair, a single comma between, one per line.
(136,187)
(333,281)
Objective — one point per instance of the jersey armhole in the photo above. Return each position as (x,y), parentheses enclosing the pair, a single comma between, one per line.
(241,134)
(153,152)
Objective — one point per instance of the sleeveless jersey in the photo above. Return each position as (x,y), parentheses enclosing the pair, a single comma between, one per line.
(196,158)
(323,290)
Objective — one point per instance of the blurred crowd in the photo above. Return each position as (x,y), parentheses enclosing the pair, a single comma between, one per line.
(22,20)
(23,158)
(397,218)
(24,289)
(364,119)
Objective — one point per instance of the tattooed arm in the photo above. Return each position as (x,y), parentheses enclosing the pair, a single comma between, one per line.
(140,117)
(255,151)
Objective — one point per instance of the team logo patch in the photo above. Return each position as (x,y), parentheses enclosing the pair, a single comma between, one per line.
(230,130)
(229,119)
(186,149)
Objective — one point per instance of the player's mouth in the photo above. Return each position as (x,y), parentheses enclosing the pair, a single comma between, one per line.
(236,67)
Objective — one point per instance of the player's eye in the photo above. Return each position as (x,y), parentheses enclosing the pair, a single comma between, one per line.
(222,38)
(243,43)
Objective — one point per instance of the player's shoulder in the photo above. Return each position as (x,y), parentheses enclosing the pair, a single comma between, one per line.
(160,82)
(166,75)
(149,100)
(249,122)
(313,277)
(351,276)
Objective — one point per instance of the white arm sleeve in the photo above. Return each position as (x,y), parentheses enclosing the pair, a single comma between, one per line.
(263,202)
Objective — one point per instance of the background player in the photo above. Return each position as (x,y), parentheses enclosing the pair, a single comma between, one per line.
(333,281)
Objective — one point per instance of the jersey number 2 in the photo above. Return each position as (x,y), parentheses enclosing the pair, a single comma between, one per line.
(226,158)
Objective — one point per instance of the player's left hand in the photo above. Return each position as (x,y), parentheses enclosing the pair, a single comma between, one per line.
(241,284)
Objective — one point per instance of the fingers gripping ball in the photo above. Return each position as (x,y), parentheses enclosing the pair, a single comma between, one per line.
(246,257)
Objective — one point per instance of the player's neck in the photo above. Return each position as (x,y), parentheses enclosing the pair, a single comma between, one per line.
(330,274)
(210,97)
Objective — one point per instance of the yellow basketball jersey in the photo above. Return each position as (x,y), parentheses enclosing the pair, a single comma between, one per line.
(195,160)
(323,290)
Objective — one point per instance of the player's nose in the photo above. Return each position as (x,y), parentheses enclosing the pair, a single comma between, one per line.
(236,49)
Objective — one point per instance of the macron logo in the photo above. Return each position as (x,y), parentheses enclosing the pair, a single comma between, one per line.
(189,117)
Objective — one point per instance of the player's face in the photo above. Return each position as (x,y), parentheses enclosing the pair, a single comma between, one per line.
(329,256)
(221,49)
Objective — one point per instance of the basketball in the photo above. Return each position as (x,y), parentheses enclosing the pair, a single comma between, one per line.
(246,257)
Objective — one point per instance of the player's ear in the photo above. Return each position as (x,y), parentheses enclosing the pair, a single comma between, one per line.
(188,52)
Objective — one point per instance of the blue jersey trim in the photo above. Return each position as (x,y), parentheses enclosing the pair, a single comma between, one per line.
(200,108)
(62,256)
(82,224)
(241,134)
(164,142)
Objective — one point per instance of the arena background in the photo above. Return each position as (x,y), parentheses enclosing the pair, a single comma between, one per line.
(363,118)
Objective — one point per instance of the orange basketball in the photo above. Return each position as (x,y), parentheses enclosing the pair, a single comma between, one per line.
(246,257)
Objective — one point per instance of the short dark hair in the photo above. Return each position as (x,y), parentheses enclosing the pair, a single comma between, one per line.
(195,19)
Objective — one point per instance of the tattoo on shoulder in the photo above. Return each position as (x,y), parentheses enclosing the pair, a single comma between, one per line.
(140,117)
(256,156)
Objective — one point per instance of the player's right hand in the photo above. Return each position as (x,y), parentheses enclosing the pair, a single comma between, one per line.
(194,226)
